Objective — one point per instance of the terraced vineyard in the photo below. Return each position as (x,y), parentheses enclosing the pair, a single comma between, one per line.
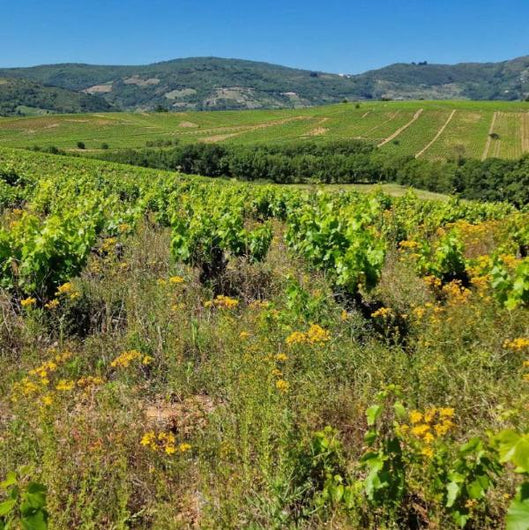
(441,130)
(183,352)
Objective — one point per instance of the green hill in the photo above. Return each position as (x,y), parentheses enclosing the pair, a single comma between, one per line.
(211,83)
(20,97)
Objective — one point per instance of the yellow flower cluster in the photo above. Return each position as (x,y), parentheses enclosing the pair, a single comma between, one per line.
(108,244)
(455,293)
(65,385)
(509,260)
(408,244)
(428,425)
(28,302)
(175,280)
(519,344)
(163,442)
(432,282)
(481,266)
(89,381)
(68,289)
(282,385)
(315,335)
(383,312)
(52,304)
(222,301)
(38,380)
(126,358)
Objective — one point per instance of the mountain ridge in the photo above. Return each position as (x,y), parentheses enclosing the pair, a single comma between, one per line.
(213,83)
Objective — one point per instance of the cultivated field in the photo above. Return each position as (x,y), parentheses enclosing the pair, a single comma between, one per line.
(434,130)
(182,352)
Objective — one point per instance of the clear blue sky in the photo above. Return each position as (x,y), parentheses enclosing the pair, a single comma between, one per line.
(330,35)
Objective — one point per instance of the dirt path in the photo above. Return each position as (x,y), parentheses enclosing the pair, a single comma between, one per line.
(436,137)
(367,134)
(364,115)
(402,129)
(489,139)
(250,128)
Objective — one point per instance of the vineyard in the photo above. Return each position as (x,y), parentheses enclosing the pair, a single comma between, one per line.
(426,129)
(181,352)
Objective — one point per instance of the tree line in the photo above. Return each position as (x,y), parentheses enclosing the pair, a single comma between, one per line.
(339,162)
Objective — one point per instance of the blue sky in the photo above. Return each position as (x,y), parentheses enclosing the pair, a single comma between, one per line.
(335,36)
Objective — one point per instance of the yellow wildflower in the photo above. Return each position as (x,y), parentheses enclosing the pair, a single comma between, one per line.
(89,381)
(428,438)
(147,359)
(28,302)
(282,385)
(297,337)
(170,449)
(47,400)
(316,334)
(416,416)
(383,312)
(149,440)
(447,412)
(52,304)
(184,447)
(408,244)
(427,451)
(432,281)
(429,414)
(64,385)
(222,301)
(175,280)
(281,358)
(519,344)
(420,430)
(124,360)
(65,288)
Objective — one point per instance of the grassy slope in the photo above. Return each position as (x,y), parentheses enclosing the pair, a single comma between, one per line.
(466,133)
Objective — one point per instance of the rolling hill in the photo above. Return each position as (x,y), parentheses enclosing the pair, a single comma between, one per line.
(211,83)
(424,129)
(21,97)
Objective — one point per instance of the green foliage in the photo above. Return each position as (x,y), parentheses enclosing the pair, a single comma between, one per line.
(511,288)
(24,505)
(335,238)
(37,256)
(446,260)
(385,483)
(469,479)
(514,448)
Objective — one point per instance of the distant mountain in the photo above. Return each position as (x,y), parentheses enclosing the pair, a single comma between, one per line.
(507,80)
(211,83)
(21,97)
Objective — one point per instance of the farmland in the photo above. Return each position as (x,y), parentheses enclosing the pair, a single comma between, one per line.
(185,352)
(441,130)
